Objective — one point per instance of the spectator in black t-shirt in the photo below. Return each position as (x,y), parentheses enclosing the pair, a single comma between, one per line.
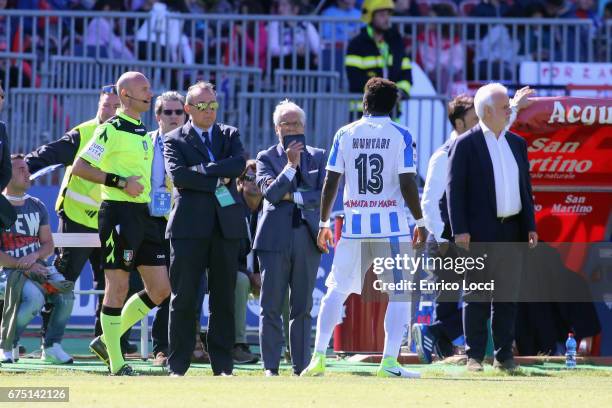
(28,279)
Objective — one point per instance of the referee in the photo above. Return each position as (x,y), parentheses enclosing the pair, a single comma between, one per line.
(79,200)
(119,156)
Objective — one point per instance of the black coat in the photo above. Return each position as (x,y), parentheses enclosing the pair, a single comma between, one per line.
(6,167)
(195,206)
(472,206)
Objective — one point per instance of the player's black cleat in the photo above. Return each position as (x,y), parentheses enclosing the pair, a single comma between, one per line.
(98,347)
(125,370)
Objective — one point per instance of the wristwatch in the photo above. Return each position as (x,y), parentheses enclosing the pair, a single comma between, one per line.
(121,183)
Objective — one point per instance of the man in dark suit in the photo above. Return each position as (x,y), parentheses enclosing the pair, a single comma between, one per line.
(205,227)
(290,178)
(6,168)
(6,172)
(490,201)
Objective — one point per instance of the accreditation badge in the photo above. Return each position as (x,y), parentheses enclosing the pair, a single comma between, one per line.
(224,197)
(161,203)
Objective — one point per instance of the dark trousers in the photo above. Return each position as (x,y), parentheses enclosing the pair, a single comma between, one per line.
(189,259)
(159,329)
(504,266)
(294,268)
(448,324)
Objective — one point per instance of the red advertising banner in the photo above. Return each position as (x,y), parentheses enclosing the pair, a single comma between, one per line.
(570,155)
(569,141)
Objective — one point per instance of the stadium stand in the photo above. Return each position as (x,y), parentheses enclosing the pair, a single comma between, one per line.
(48,57)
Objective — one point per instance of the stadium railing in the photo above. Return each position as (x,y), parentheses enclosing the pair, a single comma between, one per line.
(425,116)
(214,39)
(87,240)
(68,74)
(80,72)
(296,81)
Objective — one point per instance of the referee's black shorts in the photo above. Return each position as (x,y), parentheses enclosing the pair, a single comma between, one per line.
(129,236)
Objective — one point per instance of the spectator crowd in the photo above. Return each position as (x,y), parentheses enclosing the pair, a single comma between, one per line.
(464,51)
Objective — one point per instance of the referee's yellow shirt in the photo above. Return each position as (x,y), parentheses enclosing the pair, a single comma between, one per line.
(121,146)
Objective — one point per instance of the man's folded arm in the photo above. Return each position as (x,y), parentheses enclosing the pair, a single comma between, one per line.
(272,187)
(181,175)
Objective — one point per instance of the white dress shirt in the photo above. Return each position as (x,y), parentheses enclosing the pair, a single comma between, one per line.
(505,172)
(201,131)
(435,186)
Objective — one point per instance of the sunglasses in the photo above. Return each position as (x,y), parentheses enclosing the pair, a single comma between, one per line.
(248,178)
(169,112)
(109,89)
(202,106)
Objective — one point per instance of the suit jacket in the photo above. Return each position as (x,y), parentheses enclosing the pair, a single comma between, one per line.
(195,206)
(470,191)
(275,225)
(6,168)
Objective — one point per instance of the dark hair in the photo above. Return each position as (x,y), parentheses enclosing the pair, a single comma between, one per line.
(115,5)
(445,10)
(252,6)
(380,95)
(17,156)
(250,165)
(458,107)
(176,6)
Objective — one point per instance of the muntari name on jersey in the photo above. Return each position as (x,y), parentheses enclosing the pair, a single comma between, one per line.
(373,143)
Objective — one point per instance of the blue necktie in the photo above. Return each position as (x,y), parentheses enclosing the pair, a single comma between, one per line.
(206,138)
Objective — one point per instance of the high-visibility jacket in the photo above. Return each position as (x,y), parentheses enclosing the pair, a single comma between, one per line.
(78,198)
(365,59)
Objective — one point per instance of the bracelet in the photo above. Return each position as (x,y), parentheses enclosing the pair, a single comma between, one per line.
(324,224)
(420,223)
(113,180)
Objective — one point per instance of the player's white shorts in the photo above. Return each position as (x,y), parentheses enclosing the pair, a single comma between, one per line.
(353,257)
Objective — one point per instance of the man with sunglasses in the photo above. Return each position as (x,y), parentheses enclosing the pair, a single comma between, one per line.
(78,200)
(120,156)
(206,224)
(170,114)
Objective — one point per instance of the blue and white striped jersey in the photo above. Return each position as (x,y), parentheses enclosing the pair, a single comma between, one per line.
(371,153)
